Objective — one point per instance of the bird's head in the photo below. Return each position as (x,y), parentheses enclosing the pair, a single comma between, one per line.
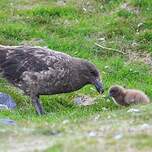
(91,75)
(116,90)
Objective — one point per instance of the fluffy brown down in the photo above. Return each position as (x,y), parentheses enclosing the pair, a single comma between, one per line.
(126,97)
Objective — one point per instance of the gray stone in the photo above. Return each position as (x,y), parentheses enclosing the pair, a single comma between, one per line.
(84,100)
(7,121)
(6,102)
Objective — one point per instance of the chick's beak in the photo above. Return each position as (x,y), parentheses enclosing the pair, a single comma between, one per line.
(99,86)
(110,94)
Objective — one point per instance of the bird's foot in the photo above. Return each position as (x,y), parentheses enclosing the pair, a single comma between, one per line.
(40,113)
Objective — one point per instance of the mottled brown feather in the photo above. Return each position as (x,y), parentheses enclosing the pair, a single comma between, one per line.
(41,71)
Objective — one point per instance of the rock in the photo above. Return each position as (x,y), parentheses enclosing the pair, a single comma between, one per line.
(7,121)
(6,102)
(104,109)
(145,126)
(96,118)
(61,2)
(3,106)
(133,110)
(92,134)
(84,100)
(109,117)
(118,136)
(65,121)
(55,133)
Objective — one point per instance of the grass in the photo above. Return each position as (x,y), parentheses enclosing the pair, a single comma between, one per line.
(74,27)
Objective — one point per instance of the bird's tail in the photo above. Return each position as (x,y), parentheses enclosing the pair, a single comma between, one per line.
(3,52)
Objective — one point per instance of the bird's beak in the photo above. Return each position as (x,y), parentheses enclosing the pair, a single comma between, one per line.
(110,95)
(99,86)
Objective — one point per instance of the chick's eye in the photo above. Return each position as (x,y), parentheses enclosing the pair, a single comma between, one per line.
(112,91)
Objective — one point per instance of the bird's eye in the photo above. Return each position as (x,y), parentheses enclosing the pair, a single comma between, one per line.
(94,73)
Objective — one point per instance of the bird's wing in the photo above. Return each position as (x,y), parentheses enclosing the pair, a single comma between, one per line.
(51,57)
(17,60)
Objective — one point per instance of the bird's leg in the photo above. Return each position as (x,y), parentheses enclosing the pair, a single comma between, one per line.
(37,105)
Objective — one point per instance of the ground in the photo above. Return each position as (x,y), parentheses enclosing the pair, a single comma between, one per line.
(116,35)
